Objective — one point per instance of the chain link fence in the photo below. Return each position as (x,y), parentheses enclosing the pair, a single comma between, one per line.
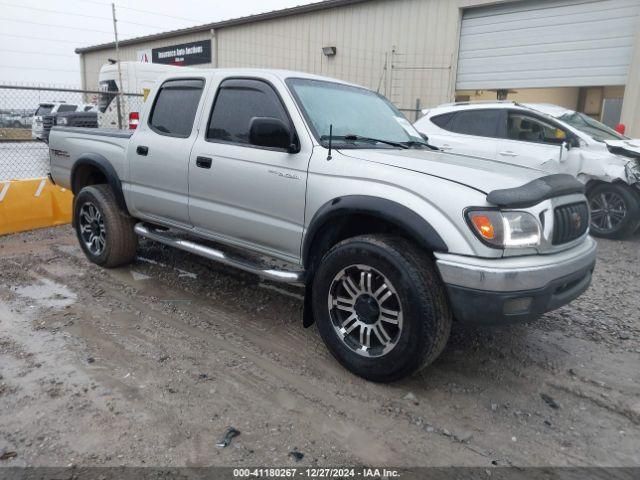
(28,113)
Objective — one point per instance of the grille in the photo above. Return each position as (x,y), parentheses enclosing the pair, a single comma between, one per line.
(570,222)
(47,122)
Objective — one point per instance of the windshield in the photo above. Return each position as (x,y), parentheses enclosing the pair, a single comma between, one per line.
(360,118)
(105,98)
(43,110)
(596,130)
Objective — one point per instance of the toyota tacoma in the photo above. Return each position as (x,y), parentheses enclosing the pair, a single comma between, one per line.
(317,182)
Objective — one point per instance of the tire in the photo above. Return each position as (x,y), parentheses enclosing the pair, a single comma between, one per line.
(615,211)
(415,298)
(97,216)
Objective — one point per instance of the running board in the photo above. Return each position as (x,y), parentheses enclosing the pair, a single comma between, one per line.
(245,264)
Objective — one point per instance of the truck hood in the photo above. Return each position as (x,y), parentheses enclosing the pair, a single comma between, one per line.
(628,148)
(479,173)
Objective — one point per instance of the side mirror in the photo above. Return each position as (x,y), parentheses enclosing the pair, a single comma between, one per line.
(272,133)
(571,142)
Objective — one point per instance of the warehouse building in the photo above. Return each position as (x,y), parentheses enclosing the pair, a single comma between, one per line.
(582,54)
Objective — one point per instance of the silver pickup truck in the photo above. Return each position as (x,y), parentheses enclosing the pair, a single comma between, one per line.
(313,181)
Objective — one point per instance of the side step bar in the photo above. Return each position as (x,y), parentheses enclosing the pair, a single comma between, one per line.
(285,276)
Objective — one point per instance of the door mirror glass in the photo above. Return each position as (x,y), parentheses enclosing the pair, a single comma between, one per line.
(271,132)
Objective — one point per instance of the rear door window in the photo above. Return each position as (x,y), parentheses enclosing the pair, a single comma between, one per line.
(480,123)
(238,101)
(175,106)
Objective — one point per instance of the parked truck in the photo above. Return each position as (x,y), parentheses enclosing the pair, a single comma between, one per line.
(392,239)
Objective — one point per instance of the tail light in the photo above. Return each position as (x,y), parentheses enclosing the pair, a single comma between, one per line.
(620,128)
(134,120)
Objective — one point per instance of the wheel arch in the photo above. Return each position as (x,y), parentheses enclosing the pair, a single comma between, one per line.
(352,215)
(92,169)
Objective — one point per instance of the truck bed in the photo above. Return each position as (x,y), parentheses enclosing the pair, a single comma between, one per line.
(68,144)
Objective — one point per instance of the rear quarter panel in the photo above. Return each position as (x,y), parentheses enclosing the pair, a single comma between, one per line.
(68,145)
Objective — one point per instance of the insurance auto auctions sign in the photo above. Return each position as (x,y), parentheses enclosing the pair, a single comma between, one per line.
(193,53)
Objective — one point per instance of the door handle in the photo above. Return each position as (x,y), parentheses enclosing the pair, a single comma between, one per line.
(203,162)
(509,153)
(142,150)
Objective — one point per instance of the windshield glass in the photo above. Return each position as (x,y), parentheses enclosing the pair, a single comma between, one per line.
(596,130)
(44,109)
(364,117)
(105,98)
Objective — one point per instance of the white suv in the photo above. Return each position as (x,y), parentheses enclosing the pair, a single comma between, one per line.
(551,139)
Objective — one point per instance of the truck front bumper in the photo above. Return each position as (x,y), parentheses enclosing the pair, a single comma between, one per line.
(516,289)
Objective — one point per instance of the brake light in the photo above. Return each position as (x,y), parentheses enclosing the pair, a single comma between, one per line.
(134,120)
(620,128)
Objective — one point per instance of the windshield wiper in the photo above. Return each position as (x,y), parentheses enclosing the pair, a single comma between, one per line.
(422,143)
(350,137)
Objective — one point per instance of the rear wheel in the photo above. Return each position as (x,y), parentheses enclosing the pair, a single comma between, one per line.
(105,233)
(615,211)
(380,307)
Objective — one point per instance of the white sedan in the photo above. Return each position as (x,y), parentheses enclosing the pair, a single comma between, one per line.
(554,140)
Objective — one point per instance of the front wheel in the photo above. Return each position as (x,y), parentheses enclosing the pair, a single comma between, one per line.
(615,211)
(105,233)
(380,307)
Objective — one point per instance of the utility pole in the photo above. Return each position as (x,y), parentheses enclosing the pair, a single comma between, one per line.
(119,95)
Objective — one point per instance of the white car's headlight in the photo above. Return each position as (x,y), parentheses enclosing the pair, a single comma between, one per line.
(632,171)
(63,121)
(510,229)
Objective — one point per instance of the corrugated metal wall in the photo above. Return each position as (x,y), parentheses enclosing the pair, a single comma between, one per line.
(550,43)
(404,48)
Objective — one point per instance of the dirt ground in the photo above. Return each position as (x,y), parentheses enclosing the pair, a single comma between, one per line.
(150,364)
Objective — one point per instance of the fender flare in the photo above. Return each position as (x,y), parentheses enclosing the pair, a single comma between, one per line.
(388,210)
(104,166)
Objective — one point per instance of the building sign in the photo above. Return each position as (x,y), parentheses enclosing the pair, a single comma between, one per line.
(193,53)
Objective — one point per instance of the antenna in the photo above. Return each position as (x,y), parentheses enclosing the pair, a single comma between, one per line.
(330,141)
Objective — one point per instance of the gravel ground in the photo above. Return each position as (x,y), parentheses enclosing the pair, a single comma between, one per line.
(150,364)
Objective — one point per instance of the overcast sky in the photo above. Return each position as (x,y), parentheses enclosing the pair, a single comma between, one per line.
(38,37)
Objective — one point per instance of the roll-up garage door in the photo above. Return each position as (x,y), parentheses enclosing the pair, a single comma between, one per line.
(547,43)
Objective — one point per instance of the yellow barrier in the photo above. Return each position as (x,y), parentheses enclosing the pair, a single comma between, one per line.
(36,203)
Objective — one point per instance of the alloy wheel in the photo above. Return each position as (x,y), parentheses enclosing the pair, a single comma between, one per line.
(365,310)
(608,210)
(92,229)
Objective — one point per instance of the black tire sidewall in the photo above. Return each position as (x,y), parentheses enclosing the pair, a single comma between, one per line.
(630,222)
(407,355)
(90,194)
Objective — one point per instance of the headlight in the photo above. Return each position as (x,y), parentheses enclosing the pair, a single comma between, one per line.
(504,229)
(62,121)
(632,170)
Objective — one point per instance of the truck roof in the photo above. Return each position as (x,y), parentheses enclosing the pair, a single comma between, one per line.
(244,72)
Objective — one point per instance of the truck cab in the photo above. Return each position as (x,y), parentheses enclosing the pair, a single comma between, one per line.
(324,184)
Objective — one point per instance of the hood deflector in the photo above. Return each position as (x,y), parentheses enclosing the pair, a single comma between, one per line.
(536,191)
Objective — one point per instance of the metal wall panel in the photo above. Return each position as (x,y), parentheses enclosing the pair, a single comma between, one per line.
(550,43)
(403,48)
